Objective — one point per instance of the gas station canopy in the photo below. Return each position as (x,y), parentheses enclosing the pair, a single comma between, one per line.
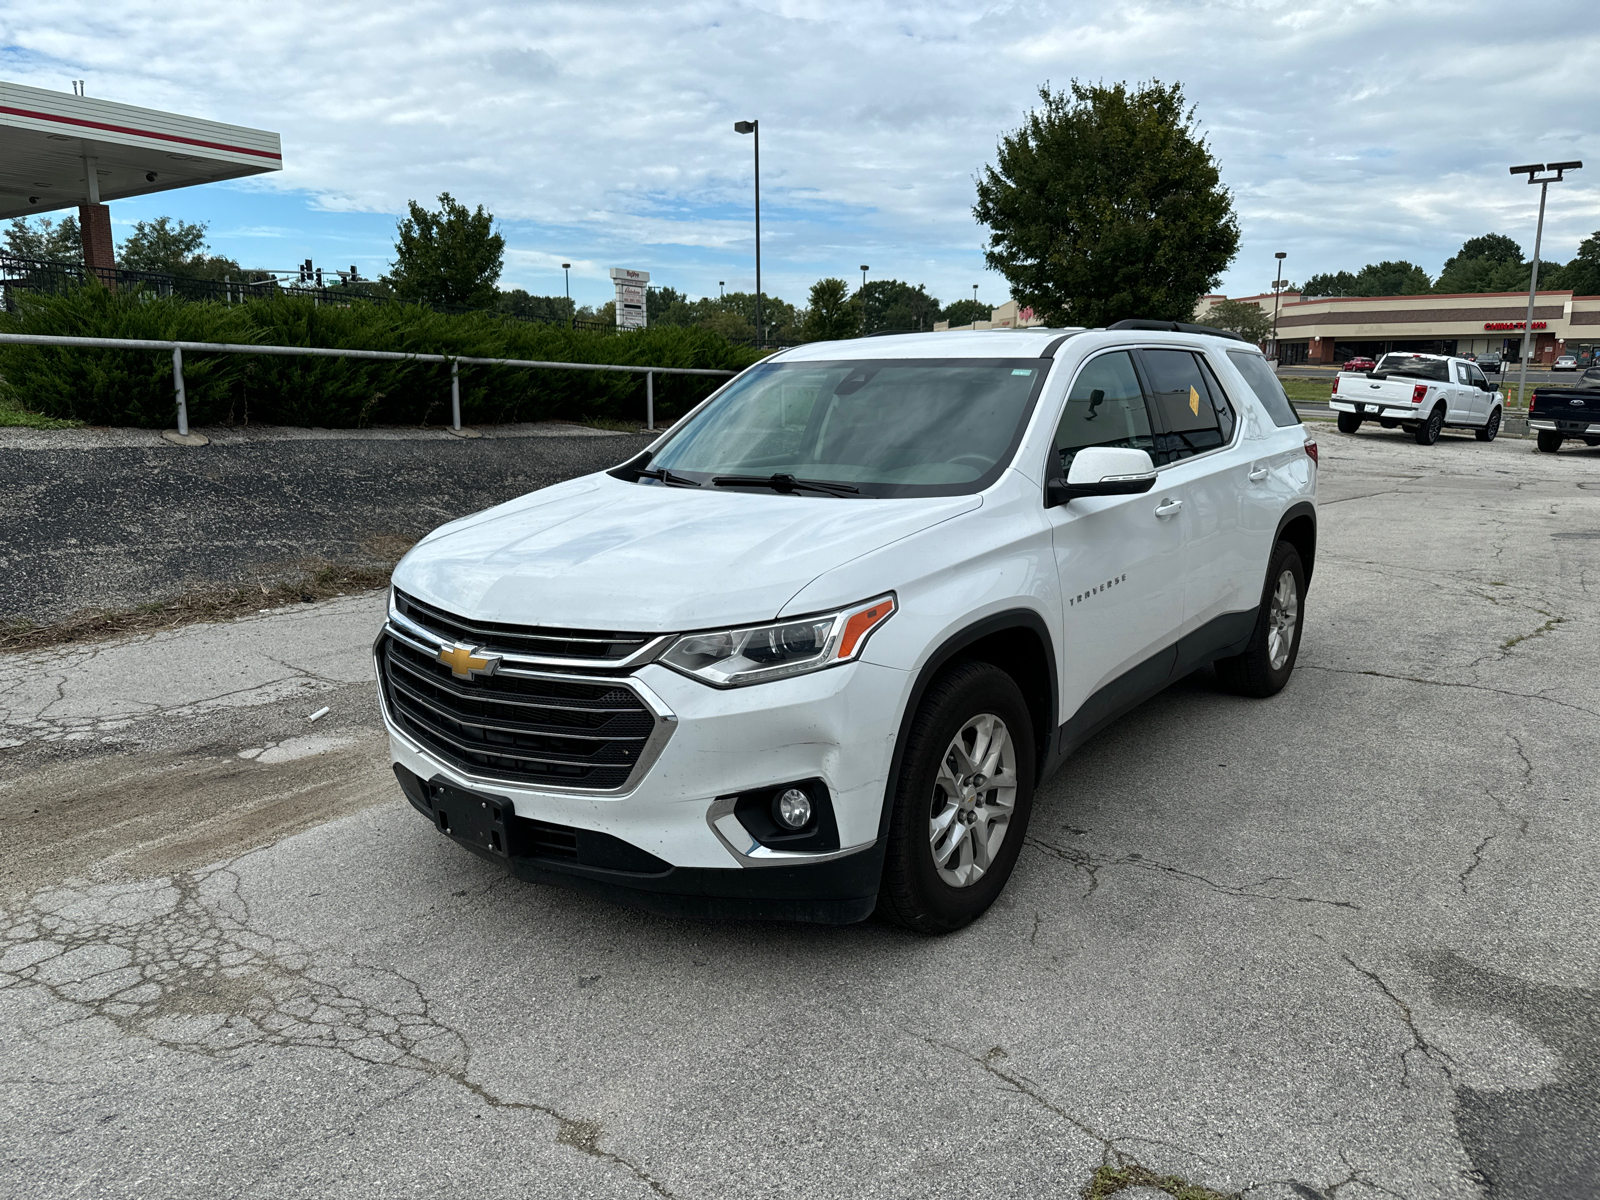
(51,141)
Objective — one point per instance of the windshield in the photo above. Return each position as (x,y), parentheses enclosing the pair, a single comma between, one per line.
(890,427)
(1413,366)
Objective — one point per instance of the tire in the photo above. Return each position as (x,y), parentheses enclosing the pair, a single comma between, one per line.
(916,892)
(1268,661)
(1591,441)
(1349,422)
(1428,432)
(1549,441)
(1491,427)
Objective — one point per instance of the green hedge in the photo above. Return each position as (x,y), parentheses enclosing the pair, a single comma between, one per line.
(116,387)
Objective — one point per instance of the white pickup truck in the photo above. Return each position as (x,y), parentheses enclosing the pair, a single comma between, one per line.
(1421,393)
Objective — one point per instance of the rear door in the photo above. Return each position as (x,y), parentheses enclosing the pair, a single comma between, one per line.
(1119,559)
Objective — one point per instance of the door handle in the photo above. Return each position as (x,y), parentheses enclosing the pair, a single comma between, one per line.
(1167,507)
(1258,475)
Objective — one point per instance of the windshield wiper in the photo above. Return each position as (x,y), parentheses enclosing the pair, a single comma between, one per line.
(786,483)
(662,475)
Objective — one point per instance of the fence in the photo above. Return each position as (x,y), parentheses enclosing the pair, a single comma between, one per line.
(177,350)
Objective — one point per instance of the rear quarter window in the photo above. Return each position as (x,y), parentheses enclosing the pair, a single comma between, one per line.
(1266,387)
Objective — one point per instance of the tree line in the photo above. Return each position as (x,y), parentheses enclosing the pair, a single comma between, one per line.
(1490,263)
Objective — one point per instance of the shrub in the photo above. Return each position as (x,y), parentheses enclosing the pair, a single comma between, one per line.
(134,387)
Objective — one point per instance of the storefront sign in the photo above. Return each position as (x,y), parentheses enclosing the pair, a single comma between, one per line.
(630,287)
(1513,325)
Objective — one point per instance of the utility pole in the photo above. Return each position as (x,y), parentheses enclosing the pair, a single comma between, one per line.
(1277,295)
(1531,170)
(754,127)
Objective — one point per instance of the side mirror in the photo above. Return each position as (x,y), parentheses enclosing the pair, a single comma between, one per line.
(1103,471)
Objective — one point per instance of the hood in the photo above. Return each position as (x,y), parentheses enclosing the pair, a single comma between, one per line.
(601,553)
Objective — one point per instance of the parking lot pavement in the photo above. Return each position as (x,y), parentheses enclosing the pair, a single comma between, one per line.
(1340,942)
(116,518)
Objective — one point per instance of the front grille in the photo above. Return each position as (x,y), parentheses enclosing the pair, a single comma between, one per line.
(543,641)
(576,733)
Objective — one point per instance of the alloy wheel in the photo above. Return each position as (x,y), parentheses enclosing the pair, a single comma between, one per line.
(1282,616)
(974,796)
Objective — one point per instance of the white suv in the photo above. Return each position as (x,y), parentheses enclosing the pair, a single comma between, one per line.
(810,654)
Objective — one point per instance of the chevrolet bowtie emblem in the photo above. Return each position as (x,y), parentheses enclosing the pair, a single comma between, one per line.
(464,664)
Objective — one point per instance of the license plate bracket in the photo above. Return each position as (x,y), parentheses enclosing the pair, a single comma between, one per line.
(481,823)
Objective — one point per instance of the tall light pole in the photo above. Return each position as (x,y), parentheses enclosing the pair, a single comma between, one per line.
(1277,295)
(974,296)
(721,295)
(566,275)
(1531,170)
(754,127)
(864,270)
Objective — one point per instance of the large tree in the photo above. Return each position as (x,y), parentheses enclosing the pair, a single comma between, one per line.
(171,247)
(1392,278)
(832,312)
(47,241)
(1250,320)
(966,312)
(1107,204)
(1583,272)
(452,256)
(890,304)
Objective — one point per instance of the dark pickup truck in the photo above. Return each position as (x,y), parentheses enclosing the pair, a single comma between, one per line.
(1556,414)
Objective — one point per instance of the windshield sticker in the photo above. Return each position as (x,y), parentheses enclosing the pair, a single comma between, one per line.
(1021,371)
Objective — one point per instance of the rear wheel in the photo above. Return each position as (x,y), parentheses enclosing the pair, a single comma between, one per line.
(1549,441)
(961,802)
(1268,660)
(1428,432)
(1487,433)
(1349,422)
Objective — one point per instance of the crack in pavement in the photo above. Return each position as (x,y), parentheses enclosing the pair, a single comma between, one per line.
(1478,687)
(176,961)
(1091,866)
(1419,1044)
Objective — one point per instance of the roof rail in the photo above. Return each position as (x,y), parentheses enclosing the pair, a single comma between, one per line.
(1177,327)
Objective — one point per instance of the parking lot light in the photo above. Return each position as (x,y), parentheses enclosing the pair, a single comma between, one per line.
(754,128)
(1531,170)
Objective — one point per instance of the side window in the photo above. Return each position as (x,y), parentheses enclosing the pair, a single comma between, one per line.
(1184,403)
(1266,387)
(1461,373)
(1104,408)
(1219,401)
(1476,378)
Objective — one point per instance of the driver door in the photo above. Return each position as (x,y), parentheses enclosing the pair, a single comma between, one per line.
(1119,559)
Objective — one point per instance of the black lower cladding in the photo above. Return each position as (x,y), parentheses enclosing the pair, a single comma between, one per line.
(757,812)
(839,892)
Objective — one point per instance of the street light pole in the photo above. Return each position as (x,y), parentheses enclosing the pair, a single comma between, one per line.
(1277,296)
(754,127)
(1531,170)
(566,275)
(721,295)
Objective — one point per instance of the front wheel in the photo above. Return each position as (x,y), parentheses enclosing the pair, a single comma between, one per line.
(1268,660)
(1488,432)
(1349,422)
(1549,441)
(961,802)
(1428,432)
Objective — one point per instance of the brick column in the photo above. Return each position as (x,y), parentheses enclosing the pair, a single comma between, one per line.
(98,250)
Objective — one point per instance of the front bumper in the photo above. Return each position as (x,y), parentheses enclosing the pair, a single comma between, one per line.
(837,725)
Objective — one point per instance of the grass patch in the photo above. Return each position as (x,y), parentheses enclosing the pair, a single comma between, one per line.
(315,580)
(614,426)
(1108,1181)
(1307,391)
(14,416)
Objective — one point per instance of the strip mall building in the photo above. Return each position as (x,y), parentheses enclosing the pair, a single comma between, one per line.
(1331,329)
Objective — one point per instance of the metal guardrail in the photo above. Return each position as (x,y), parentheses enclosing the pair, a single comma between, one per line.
(177,349)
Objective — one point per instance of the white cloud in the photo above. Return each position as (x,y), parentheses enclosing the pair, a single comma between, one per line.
(1349,132)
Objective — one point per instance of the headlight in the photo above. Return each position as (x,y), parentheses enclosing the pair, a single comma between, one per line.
(757,653)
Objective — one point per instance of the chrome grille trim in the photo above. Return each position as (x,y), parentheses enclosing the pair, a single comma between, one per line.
(405,633)
(648,645)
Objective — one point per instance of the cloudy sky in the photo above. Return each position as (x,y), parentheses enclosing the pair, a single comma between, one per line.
(600,133)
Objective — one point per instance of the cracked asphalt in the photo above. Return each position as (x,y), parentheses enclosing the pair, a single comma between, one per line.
(1340,943)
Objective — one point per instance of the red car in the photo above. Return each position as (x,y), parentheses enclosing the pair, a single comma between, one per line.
(1359,363)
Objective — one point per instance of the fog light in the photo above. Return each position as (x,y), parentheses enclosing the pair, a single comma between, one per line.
(794,809)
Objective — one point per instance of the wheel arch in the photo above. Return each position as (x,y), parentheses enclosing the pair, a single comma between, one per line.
(1018,642)
(1298,527)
